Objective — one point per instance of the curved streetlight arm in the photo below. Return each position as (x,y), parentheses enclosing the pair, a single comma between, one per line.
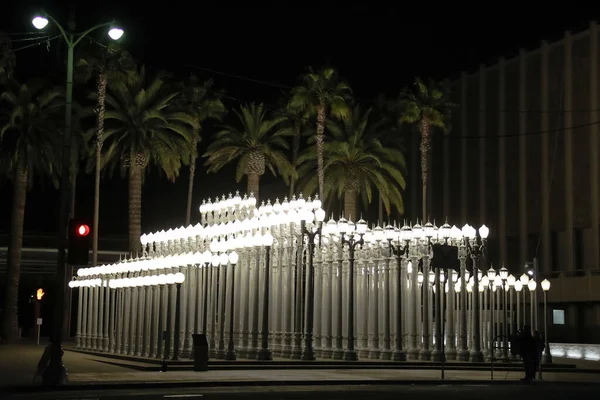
(88,31)
(60,28)
(68,38)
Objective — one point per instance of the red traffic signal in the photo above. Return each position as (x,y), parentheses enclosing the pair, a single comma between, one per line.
(83,230)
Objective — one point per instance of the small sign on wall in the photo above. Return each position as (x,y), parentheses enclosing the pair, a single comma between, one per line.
(39,321)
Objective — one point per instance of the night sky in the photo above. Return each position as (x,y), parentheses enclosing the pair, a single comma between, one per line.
(376,49)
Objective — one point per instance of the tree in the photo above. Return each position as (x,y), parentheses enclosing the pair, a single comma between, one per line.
(8,61)
(297,118)
(356,163)
(28,143)
(429,107)
(321,93)
(258,143)
(106,63)
(202,102)
(143,128)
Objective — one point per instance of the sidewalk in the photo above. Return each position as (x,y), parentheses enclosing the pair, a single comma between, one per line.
(18,363)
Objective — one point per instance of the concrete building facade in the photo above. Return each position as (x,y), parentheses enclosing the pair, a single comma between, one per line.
(522,157)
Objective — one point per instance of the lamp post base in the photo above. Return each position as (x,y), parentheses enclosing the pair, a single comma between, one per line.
(338,354)
(463,355)
(308,354)
(413,354)
(264,355)
(386,354)
(451,355)
(350,355)
(476,356)
(398,355)
(230,355)
(437,355)
(425,355)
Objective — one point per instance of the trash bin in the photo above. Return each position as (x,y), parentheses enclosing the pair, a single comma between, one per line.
(200,352)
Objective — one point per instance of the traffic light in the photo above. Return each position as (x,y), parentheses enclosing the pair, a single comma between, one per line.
(79,242)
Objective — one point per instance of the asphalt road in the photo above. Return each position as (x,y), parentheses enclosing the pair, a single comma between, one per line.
(545,391)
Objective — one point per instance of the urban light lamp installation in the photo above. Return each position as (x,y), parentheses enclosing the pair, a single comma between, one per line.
(350,229)
(532,285)
(264,353)
(476,249)
(504,276)
(307,217)
(398,251)
(233,260)
(547,356)
(178,280)
(56,373)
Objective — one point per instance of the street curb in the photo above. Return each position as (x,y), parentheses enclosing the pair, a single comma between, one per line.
(86,386)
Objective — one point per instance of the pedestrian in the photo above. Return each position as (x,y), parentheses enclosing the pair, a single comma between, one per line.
(527,346)
(539,349)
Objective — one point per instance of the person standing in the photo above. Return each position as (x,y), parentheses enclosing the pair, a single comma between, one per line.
(528,350)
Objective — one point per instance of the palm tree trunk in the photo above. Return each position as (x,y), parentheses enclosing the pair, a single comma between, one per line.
(253,185)
(10,322)
(425,150)
(135,208)
(100,108)
(381,210)
(320,140)
(188,212)
(350,205)
(295,152)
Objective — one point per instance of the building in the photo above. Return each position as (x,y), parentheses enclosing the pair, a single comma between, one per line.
(522,158)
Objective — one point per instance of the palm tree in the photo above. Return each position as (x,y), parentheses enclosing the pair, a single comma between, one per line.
(297,118)
(356,163)
(144,128)
(258,144)
(8,60)
(429,107)
(201,101)
(28,143)
(107,64)
(323,94)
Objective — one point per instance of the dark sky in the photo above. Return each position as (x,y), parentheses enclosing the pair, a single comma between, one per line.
(376,48)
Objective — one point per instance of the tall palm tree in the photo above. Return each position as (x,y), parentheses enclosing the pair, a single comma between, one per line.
(8,60)
(297,118)
(429,107)
(144,128)
(258,143)
(356,163)
(28,142)
(322,93)
(204,103)
(106,64)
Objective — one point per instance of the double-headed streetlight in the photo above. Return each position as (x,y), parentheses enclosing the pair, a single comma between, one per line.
(56,373)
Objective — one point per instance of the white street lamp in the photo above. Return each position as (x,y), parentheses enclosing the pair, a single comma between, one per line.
(547,356)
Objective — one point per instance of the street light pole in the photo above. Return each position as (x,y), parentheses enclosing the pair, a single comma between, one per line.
(547,356)
(352,242)
(309,353)
(56,373)
(264,353)
(398,251)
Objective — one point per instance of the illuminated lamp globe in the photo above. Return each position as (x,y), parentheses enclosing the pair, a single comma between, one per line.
(531,285)
(39,22)
(115,33)
(233,258)
(179,278)
(511,280)
(320,214)
(518,286)
(545,285)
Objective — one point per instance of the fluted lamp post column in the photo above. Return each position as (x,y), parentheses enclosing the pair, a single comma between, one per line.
(547,356)
(351,230)
(231,354)
(504,276)
(532,285)
(265,353)
(404,235)
(178,280)
(307,216)
(476,249)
